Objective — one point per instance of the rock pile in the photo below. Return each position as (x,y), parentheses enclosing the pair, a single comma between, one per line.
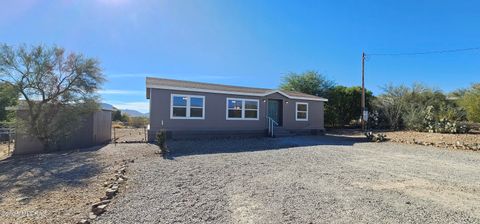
(112,187)
(442,144)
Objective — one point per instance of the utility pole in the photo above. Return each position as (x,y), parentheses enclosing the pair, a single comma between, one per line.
(363,91)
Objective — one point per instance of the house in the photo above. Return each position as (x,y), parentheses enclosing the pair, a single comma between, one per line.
(187,109)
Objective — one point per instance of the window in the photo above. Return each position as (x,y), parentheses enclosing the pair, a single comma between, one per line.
(187,107)
(242,109)
(301,111)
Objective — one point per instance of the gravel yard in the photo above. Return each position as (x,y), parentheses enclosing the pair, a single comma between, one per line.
(309,179)
(60,187)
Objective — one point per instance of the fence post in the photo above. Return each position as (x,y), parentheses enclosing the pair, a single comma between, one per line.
(9,139)
(114,136)
(145,133)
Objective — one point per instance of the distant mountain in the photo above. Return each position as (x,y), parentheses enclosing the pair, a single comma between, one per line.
(133,113)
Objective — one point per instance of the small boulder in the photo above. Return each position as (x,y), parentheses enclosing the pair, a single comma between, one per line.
(22,199)
(120,180)
(110,193)
(99,209)
(91,215)
(114,187)
(102,202)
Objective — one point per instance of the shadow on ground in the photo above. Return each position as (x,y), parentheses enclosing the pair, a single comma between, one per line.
(32,175)
(179,148)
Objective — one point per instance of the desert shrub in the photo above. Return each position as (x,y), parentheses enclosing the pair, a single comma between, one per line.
(160,140)
(389,107)
(419,108)
(415,118)
(137,122)
(470,100)
(116,124)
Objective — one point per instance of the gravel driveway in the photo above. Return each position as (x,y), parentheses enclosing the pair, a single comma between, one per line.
(310,179)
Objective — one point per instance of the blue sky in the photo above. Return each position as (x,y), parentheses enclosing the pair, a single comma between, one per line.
(254,43)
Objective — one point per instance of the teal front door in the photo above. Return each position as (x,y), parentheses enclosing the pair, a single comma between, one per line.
(275,111)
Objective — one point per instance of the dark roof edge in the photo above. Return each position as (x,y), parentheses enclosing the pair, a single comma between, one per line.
(206,90)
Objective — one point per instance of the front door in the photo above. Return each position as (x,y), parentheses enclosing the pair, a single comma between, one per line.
(275,111)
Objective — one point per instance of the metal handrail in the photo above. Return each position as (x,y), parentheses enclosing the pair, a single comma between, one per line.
(271,125)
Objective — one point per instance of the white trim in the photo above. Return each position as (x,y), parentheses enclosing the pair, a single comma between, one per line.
(150,105)
(243,109)
(279,92)
(306,98)
(232,92)
(296,111)
(187,107)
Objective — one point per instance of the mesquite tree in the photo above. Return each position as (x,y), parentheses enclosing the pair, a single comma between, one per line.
(310,82)
(56,88)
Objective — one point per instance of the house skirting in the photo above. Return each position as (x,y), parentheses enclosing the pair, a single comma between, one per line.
(208,134)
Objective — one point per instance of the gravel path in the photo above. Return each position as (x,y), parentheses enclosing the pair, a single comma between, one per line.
(311,179)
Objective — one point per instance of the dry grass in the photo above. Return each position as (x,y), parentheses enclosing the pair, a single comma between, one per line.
(4,151)
(129,134)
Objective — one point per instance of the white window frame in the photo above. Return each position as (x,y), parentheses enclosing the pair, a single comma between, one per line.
(243,109)
(296,111)
(188,107)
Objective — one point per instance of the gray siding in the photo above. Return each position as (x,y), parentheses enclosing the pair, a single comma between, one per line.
(215,114)
(95,130)
(102,128)
(315,113)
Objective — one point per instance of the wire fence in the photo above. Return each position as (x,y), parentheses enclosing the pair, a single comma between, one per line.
(7,138)
(129,133)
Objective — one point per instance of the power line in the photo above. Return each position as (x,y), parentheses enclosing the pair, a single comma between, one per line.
(426,52)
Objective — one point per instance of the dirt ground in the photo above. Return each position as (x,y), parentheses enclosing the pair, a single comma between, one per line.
(433,137)
(469,141)
(129,134)
(59,187)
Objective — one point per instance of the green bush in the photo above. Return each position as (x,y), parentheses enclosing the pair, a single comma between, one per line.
(160,140)
(344,105)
